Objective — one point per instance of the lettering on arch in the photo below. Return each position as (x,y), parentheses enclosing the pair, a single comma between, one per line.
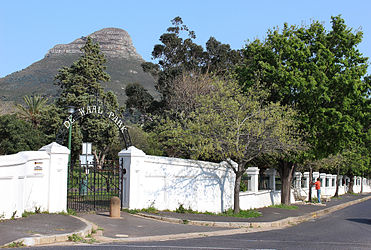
(98,110)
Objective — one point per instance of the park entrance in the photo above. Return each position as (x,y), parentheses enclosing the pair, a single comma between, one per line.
(93,182)
(91,186)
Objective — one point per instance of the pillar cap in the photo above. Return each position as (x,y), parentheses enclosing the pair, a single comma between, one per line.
(252,170)
(132,152)
(55,148)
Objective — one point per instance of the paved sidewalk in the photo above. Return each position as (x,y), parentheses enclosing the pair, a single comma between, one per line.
(39,226)
(50,228)
(269,214)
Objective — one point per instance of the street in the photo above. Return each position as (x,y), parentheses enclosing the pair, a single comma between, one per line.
(349,228)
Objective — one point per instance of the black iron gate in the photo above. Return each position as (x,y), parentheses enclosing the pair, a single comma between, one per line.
(90,187)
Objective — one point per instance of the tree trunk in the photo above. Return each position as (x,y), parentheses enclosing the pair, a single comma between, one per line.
(310,184)
(99,158)
(237,186)
(337,182)
(286,170)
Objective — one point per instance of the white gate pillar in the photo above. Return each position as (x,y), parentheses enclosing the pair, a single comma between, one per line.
(131,160)
(254,173)
(297,176)
(306,180)
(272,178)
(58,167)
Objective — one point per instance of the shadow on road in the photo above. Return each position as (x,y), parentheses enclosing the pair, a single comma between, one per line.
(359,220)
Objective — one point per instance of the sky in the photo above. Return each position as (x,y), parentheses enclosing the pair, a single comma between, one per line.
(29,28)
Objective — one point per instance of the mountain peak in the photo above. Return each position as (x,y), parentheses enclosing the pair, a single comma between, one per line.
(114,42)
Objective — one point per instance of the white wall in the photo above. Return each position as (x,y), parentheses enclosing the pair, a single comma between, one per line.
(34,179)
(167,183)
(330,189)
(263,198)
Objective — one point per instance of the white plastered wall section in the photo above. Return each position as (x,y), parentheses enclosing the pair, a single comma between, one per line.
(32,180)
(167,183)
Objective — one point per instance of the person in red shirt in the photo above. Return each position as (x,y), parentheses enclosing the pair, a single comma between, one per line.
(318,188)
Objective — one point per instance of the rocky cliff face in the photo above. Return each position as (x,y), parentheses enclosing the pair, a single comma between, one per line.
(123,65)
(114,42)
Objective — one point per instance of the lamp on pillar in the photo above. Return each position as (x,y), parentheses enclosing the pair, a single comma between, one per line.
(70,110)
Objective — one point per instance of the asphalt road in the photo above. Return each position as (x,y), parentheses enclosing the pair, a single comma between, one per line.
(349,228)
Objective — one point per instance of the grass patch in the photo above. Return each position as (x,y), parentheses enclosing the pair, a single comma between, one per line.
(151,210)
(351,193)
(182,210)
(242,214)
(251,213)
(16,244)
(71,211)
(336,197)
(27,213)
(77,238)
(284,206)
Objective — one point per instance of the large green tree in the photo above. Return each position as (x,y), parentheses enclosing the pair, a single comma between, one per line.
(18,135)
(83,78)
(319,73)
(81,85)
(229,124)
(178,54)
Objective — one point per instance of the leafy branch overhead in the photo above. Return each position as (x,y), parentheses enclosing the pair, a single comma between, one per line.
(228,123)
(178,54)
(80,83)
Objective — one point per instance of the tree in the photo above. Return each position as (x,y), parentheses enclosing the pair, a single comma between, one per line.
(319,73)
(230,124)
(81,84)
(186,89)
(33,108)
(138,97)
(82,79)
(18,135)
(178,54)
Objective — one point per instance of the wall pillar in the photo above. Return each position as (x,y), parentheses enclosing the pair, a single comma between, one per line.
(329,180)
(272,178)
(334,176)
(306,180)
(297,176)
(58,167)
(340,181)
(254,173)
(322,176)
(131,162)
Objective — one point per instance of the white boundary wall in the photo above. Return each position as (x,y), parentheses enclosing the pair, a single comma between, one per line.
(167,183)
(34,179)
(328,185)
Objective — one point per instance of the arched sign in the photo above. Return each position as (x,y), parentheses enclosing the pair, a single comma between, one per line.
(96,109)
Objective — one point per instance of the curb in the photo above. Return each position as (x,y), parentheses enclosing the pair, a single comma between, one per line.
(180,236)
(262,225)
(49,239)
(238,227)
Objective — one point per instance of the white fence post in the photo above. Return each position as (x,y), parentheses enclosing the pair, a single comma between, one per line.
(133,162)
(254,183)
(57,183)
(272,178)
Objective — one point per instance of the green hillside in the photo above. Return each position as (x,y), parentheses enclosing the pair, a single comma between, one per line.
(38,78)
